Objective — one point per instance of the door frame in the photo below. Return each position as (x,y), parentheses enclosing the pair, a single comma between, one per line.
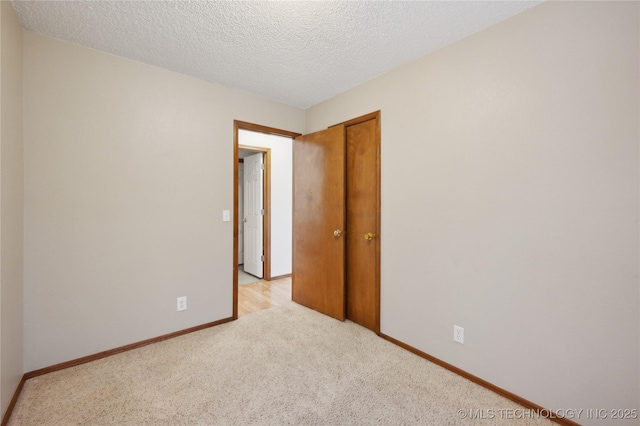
(242,125)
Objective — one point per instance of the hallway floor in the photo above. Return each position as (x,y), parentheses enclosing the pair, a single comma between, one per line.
(256,295)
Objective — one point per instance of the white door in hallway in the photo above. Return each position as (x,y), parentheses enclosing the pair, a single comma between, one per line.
(241,213)
(253,214)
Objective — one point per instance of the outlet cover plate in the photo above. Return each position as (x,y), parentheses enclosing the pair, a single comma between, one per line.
(458,334)
(182,303)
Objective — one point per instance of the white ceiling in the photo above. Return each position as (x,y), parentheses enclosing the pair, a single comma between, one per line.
(297,53)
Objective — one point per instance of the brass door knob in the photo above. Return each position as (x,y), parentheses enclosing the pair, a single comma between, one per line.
(369,236)
(337,233)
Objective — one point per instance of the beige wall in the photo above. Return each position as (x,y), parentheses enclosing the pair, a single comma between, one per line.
(11,192)
(127,170)
(510,203)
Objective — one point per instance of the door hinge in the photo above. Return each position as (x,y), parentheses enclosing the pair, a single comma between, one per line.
(262,258)
(261,166)
(262,212)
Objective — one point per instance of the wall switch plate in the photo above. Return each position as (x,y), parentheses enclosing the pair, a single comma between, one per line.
(182,303)
(458,334)
(226,215)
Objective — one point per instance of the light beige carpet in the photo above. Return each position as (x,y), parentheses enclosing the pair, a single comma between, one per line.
(283,366)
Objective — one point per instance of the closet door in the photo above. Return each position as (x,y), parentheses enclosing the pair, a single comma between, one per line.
(362,242)
(319,187)
(336,221)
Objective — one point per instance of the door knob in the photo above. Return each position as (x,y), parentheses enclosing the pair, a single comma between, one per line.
(337,233)
(369,236)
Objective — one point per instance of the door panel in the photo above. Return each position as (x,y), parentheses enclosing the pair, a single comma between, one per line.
(253,223)
(362,219)
(319,210)
(241,213)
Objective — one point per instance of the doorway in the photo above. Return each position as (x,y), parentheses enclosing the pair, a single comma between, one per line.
(274,241)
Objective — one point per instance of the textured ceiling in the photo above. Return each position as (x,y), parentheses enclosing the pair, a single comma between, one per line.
(297,53)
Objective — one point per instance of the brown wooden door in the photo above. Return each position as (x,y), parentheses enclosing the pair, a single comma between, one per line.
(318,212)
(362,242)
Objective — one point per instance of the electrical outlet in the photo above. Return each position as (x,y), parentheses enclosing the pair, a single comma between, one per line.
(182,303)
(458,334)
